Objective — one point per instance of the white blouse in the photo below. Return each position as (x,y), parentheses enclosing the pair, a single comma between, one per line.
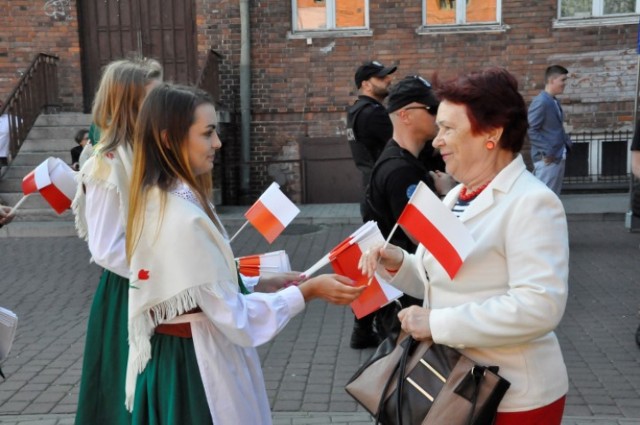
(106,238)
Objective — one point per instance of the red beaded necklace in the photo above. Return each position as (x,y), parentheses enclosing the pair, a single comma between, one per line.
(466,197)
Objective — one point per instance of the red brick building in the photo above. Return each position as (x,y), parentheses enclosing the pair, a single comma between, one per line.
(303,54)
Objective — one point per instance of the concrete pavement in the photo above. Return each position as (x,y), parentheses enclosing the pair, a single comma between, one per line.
(49,283)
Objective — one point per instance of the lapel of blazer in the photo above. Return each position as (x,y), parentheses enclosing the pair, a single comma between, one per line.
(501,183)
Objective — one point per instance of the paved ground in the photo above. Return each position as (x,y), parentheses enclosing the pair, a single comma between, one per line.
(49,283)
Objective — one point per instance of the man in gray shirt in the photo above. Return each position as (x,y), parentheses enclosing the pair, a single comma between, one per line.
(549,142)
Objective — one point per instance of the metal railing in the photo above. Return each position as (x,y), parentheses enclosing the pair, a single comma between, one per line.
(36,91)
(598,161)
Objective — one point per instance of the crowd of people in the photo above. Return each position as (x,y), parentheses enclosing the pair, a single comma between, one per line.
(172,337)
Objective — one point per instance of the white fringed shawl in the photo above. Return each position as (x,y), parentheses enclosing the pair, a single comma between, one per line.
(112,170)
(179,249)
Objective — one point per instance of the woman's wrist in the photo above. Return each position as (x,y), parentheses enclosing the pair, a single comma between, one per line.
(395,267)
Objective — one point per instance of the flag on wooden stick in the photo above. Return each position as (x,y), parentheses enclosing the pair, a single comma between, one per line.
(429,221)
(54,180)
(272,213)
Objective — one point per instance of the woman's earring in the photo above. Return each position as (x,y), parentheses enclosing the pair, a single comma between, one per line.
(490,145)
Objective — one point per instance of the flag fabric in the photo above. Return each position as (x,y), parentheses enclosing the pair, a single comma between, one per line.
(272,212)
(429,221)
(344,260)
(366,235)
(378,294)
(55,181)
(270,262)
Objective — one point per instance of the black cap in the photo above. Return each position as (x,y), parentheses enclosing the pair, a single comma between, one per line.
(412,89)
(372,69)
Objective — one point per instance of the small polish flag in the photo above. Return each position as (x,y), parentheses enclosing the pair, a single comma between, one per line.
(55,181)
(429,221)
(270,262)
(272,212)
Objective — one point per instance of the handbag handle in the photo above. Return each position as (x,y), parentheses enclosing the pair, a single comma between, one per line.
(401,373)
(400,369)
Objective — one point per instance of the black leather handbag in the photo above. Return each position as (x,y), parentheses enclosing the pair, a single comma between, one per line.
(412,383)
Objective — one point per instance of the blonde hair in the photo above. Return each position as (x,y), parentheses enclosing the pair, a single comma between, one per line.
(160,153)
(120,94)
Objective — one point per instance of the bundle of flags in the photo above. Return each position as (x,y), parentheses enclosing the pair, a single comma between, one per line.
(344,260)
(270,262)
(54,180)
(271,213)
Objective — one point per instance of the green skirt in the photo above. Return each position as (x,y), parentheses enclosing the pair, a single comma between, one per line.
(101,398)
(169,391)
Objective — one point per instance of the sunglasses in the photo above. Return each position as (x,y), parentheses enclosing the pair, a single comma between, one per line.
(433,110)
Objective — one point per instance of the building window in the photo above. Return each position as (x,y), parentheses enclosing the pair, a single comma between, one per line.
(597,8)
(463,12)
(324,15)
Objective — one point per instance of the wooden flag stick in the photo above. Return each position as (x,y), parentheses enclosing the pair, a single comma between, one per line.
(13,210)
(395,226)
(239,230)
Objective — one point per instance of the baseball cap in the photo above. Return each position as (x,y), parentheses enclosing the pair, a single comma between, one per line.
(372,69)
(410,89)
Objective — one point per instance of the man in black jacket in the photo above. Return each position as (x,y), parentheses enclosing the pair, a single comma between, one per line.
(368,124)
(368,130)
(400,168)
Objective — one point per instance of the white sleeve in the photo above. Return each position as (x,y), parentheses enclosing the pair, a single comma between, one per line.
(105,229)
(249,282)
(250,320)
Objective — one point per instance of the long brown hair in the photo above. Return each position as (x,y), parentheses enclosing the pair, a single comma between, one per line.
(160,155)
(120,94)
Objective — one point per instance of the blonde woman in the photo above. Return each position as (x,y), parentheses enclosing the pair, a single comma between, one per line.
(101,209)
(192,333)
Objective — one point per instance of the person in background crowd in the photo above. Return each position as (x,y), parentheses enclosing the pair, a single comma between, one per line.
(81,138)
(397,172)
(549,142)
(502,306)
(192,331)
(4,138)
(368,130)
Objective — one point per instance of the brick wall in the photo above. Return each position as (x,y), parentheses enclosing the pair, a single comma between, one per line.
(28,27)
(300,89)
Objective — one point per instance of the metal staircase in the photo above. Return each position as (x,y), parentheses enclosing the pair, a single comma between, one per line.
(51,135)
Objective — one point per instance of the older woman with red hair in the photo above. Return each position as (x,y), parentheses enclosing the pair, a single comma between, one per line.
(503,305)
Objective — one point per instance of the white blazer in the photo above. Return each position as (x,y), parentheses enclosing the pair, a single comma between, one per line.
(510,293)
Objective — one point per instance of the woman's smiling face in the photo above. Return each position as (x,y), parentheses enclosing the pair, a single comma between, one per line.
(203,140)
(463,153)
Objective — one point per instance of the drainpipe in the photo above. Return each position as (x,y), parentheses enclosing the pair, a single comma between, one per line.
(245,98)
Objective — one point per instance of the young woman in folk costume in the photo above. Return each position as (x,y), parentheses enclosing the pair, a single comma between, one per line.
(192,334)
(101,210)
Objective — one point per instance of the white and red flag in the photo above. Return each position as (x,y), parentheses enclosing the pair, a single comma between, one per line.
(271,213)
(344,260)
(429,221)
(270,262)
(54,180)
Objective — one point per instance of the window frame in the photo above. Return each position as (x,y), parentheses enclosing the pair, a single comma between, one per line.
(330,17)
(460,24)
(597,11)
